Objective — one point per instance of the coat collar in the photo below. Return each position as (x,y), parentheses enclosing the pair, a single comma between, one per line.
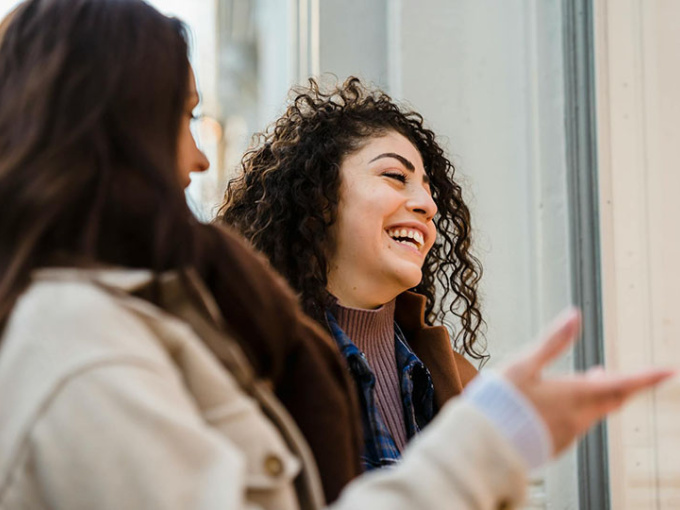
(450,370)
(410,311)
(128,280)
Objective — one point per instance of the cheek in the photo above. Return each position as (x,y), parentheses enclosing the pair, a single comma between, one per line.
(357,229)
(432,239)
(355,232)
(363,212)
(182,148)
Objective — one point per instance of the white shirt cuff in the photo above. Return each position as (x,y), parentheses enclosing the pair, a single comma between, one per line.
(513,414)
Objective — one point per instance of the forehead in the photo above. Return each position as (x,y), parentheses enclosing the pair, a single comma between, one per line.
(192,89)
(391,142)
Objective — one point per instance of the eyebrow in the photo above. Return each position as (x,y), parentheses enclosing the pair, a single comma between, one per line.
(409,166)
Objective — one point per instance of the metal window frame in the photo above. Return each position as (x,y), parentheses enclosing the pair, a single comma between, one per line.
(583,188)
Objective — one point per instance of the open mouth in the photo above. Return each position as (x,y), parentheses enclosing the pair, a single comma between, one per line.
(407,236)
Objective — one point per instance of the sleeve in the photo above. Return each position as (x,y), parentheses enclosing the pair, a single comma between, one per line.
(127,435)
(514,416)
(461,462)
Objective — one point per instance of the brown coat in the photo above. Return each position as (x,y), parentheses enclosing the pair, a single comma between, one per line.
(450,371)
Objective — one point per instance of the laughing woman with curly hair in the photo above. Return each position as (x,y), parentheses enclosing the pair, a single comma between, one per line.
(355,203)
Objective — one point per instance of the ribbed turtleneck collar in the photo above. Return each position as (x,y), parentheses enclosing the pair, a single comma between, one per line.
(372,331)
(367,327)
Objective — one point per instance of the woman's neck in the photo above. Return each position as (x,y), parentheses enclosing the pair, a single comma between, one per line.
(367,326)
(352,295)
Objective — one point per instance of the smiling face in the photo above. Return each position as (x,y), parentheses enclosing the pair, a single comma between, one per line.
(384,226)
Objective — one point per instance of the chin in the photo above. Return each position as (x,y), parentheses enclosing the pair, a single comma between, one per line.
(410,279)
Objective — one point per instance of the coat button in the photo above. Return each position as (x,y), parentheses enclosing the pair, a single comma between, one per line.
(273,465)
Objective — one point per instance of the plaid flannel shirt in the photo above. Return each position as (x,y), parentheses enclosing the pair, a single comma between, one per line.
(417,395)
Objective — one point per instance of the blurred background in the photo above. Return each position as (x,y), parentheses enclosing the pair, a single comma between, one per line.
(561,118)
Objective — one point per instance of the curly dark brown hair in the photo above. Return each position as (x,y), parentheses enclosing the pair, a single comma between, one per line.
(286,198)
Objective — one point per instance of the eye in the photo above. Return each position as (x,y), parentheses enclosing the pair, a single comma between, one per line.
(194,124)
(398,176)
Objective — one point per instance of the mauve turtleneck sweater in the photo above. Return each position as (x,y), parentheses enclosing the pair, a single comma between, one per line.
(372,331)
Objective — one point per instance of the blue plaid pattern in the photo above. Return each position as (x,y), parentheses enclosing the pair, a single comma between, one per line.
(417,394)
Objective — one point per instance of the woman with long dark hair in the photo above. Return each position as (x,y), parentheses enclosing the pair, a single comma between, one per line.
(95,149)
(145,359)
(354,201)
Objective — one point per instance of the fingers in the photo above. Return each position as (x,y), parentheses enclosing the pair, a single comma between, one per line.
(561,334)
(570,406)
(627,385)
(607,393)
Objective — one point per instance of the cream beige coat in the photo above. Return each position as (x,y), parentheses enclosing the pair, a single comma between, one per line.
(109,402)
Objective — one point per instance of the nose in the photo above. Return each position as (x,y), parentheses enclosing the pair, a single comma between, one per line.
(201,163)
(422,203)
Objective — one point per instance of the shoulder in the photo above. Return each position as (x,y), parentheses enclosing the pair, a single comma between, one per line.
(59,330)
(65,323)
(65,313)
(122,423)
(410,315)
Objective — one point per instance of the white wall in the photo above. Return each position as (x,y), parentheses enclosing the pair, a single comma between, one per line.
(638,77)
(354,46)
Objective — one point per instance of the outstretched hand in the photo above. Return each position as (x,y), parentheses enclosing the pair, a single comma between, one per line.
(571,404)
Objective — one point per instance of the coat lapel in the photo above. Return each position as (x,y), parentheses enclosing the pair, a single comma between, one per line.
(450,371)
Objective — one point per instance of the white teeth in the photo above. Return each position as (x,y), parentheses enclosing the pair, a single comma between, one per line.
(416,235)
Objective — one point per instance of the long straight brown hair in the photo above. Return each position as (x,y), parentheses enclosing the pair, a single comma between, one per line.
(91,97)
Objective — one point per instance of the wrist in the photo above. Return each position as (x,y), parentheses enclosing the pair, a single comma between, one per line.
(513,414)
